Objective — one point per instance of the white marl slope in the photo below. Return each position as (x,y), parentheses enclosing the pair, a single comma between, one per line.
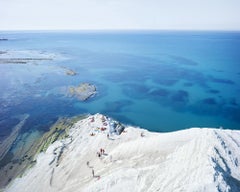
(190,160)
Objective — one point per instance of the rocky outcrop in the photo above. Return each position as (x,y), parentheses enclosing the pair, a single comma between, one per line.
(83,91)
(8,142)
(13,163)
(137,160)
(70,72)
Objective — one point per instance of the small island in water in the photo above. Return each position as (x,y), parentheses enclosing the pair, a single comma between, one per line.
(83,91)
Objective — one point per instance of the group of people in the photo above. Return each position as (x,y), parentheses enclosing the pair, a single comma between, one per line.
(102,152)
(99,154)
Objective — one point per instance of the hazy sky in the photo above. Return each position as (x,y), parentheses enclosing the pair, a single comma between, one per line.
(120,14)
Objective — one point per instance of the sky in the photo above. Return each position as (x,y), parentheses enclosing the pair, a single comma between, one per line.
(119,14)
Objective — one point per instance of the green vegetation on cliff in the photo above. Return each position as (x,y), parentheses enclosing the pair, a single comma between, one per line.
(15,163)
(58,131)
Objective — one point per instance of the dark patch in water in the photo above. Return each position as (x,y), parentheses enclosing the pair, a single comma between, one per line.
(6,126)
(175,74)
(209,101)
(179,100)
(183,61)
(160,96)
(219,71)
(159,93)
(188,84)
(116,106)
(216,107)
(166,75)
(180,96)
(213,91)
(165,72)
(39,122)
(201,108)
(167,82)
(222,81)
(233,102)
(135,91)
(232,113)
(44,112)
(193,76)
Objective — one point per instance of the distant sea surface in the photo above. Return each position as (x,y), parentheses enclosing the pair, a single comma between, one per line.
(160,80)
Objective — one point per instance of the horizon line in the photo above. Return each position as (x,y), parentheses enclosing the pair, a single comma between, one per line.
(119,30)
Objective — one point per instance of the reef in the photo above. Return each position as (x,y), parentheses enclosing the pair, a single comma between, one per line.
(21,149)
(83,91)
(70,72)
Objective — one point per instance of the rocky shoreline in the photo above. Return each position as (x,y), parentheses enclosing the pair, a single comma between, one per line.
(14,163)
(22,60)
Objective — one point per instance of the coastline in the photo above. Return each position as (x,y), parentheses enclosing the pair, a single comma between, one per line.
(175,85)
(19,150)
(135,160)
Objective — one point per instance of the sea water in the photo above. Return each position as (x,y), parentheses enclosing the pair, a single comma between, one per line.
(159,80)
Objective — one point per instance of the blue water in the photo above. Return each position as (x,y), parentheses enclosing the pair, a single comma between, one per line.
(159,80)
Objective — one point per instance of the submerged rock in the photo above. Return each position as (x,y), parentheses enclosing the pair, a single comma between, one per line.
(83,91)
(27,57)
(8,142)
(8,161)
(19,151)
(70,72)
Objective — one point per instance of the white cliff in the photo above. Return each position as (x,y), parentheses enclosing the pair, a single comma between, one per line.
(137,160)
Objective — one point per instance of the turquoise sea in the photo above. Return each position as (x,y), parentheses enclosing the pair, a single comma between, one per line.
(159,80)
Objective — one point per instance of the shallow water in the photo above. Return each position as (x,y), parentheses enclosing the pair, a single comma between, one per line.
(162,81)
